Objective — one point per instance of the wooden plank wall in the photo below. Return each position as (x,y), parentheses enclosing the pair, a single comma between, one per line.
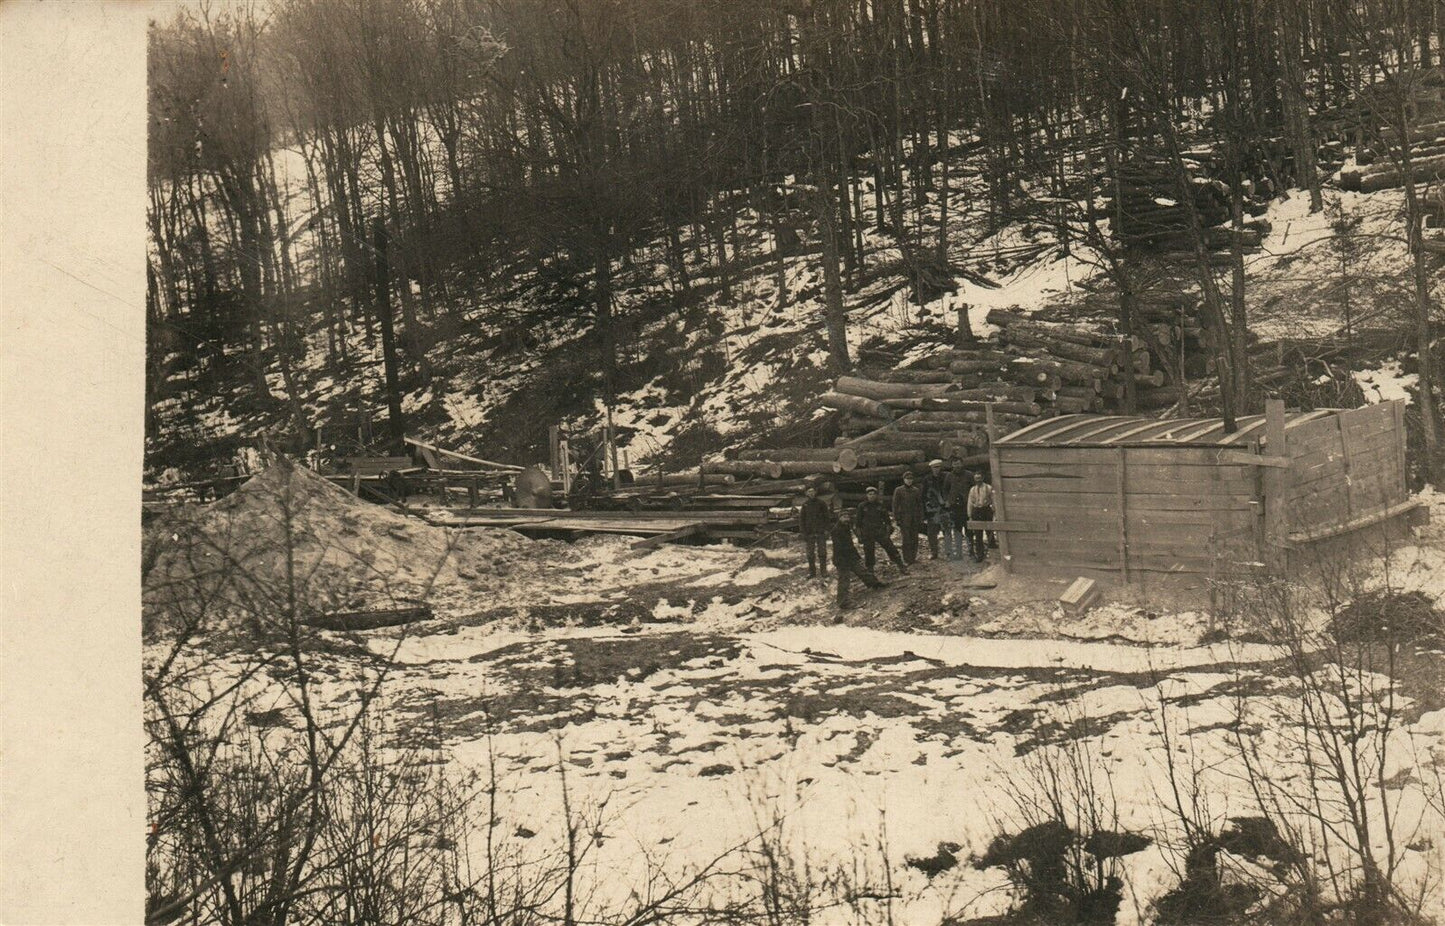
(1176,509)
(1346,466)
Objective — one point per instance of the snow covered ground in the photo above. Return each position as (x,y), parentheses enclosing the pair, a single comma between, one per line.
(737,704)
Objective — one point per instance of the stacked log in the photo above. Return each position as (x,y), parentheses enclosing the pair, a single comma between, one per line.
(1385,175)
(1150,213)
(1091,364)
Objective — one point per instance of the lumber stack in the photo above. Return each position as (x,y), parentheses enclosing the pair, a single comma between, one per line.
(1149,212)
(1380,166)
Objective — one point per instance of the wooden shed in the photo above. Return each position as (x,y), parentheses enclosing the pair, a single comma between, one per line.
(1124,497)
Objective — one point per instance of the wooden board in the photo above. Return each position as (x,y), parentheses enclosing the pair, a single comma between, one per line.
(1080,595)
(1239,487)
(1109,472)
(687,530)
(1367,519)
(1013,526)
(1010,454)
(1138,501)
(462,456)
(1102,519)
(728,517)
(1144,562)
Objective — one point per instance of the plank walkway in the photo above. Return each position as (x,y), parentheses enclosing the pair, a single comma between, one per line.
(639,523)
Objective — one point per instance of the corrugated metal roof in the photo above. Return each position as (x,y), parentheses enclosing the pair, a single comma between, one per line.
(1121,430)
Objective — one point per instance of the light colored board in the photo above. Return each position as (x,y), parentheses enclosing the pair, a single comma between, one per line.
(1201,456)
(1203,547)
(1366,519)
(1103,519)
(462,456)
(1110,472)
(1240,488)
(675,518)
(687,530)
(1015,526)
(1380,459)
(1138,501)
(1369,417)
(1382,444)
(1324,441)
(1375,446)
(1310,430)
(1140,563)
(1245,458)
(1322,480)
(1080,595)
(1313,454)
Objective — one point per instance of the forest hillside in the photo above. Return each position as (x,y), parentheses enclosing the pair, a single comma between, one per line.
(472,221)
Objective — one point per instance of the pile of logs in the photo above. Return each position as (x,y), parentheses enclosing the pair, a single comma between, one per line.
(1150,214)
(1427,156)
(773,481)
(1031,369)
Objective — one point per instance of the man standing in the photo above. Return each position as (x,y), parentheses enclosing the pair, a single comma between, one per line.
(956,494)
(980,508)
(908,512)
(845,559)
(814,519)
(874,528)
(935,505)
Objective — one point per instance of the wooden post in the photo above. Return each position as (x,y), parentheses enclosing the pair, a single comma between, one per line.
(1348,463)
(1276,490)
(1404,472)
(474,492)
(996,478)
(553,444)
(1123,519)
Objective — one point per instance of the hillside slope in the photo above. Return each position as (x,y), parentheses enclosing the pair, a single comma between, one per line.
(746,359)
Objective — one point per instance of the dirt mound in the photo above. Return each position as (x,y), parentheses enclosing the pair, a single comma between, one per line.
(289,538)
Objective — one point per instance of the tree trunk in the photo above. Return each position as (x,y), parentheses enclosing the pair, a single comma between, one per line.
(837,318)
(1424,347)
(382,282)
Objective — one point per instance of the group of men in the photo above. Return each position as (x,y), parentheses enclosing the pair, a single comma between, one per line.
(941,507)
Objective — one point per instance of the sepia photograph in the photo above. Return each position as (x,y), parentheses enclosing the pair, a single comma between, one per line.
(782,462)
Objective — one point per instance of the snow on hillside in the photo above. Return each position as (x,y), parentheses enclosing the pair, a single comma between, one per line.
(730,366)
(1347,263)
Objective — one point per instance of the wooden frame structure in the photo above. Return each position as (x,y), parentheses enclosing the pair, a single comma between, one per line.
(1122,497)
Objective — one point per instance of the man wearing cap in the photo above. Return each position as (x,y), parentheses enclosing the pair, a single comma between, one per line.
(814,521)
(908,512)
(874,528)
(935,508)
(845,559)
(980,508)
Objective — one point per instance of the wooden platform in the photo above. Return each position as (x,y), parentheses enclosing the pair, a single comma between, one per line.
(637,523)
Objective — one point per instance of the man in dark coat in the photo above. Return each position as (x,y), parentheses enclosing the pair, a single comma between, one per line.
(814,521)
(935,504)
(846,561)
(956,492)
(875,528)
(908,513)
